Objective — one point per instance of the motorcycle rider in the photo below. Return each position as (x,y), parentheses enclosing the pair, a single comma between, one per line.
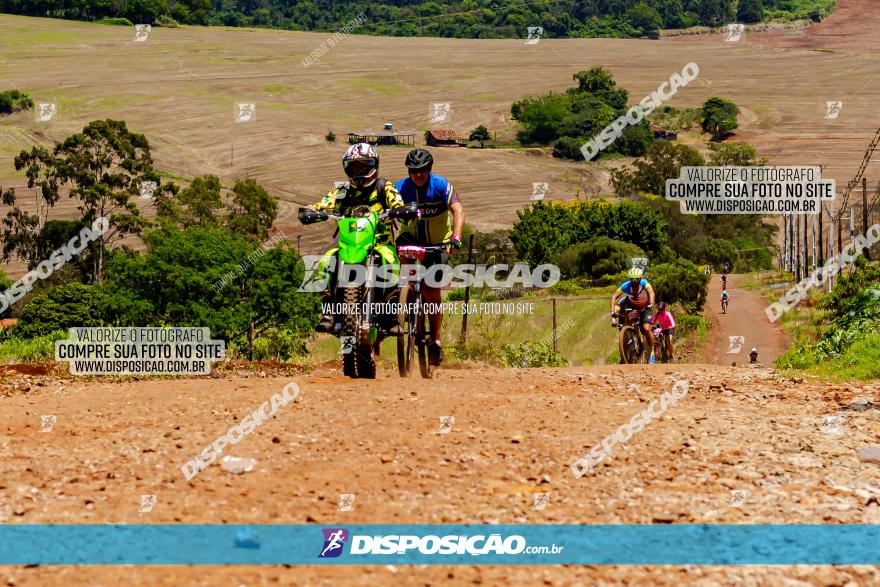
(638,294)
(667,324)
(441,220)
(364,188)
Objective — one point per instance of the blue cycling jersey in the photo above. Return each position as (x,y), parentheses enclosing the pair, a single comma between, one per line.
(435,224)
(642,298)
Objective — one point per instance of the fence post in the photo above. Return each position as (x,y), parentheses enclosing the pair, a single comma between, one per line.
(555,342)
(467,291)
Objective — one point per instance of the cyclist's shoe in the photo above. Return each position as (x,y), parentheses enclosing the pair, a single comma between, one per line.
(435,354)
(652,360)
(326,324)
(394,329)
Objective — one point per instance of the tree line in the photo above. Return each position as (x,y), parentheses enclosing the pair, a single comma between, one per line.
(454,18)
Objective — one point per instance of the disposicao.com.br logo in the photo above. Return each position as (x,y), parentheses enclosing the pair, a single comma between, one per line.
(450,544)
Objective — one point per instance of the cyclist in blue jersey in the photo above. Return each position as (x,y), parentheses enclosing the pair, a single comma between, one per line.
(441,221)
(638,294)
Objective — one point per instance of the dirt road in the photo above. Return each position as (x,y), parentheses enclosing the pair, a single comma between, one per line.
(514,435)
(743,327)
(852,28)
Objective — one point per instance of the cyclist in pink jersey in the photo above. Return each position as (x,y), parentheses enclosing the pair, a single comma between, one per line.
(664,318)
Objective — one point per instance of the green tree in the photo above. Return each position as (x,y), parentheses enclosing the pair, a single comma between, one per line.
(749,11)
(568,148)
(14,101)
(712,12)
(644,18)
(210,277)
(252,211)
(598,256)
(542,117)
(595,80)
(480,134)
(61,308)
(735,154)
(719,117)
(199,204)
(545,230)
(634,140)
(662,160)
(680,282)
(101,169)
(672,13)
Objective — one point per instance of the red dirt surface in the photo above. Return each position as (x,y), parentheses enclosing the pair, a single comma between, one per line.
(515,434)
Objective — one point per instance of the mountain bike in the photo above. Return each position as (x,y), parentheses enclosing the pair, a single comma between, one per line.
(724,306)
(412,318)
(662,350)
(358,326)
(631,339)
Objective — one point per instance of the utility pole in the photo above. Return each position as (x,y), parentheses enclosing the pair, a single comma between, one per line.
(830,241)
(806,249)
(865,215)
(813,248)
(467,292)
(797,248)
(821,249)
(786,266)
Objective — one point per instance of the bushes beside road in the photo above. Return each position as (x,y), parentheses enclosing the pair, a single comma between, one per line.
(848,345)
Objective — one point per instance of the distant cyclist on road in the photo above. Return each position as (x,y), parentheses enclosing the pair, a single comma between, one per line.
(636,293)
(664,318)
(725,299)
(441,221)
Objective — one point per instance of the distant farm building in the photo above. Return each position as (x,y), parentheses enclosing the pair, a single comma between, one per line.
(439,137)
(386,136)
(661,134)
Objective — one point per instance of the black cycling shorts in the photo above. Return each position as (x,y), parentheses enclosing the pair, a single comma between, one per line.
(645,314)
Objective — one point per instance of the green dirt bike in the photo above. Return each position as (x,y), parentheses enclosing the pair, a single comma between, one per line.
(359,329)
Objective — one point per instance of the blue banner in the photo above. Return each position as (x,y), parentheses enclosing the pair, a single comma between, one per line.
(354,544)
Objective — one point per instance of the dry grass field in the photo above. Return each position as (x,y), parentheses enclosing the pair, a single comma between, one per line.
(181,85)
